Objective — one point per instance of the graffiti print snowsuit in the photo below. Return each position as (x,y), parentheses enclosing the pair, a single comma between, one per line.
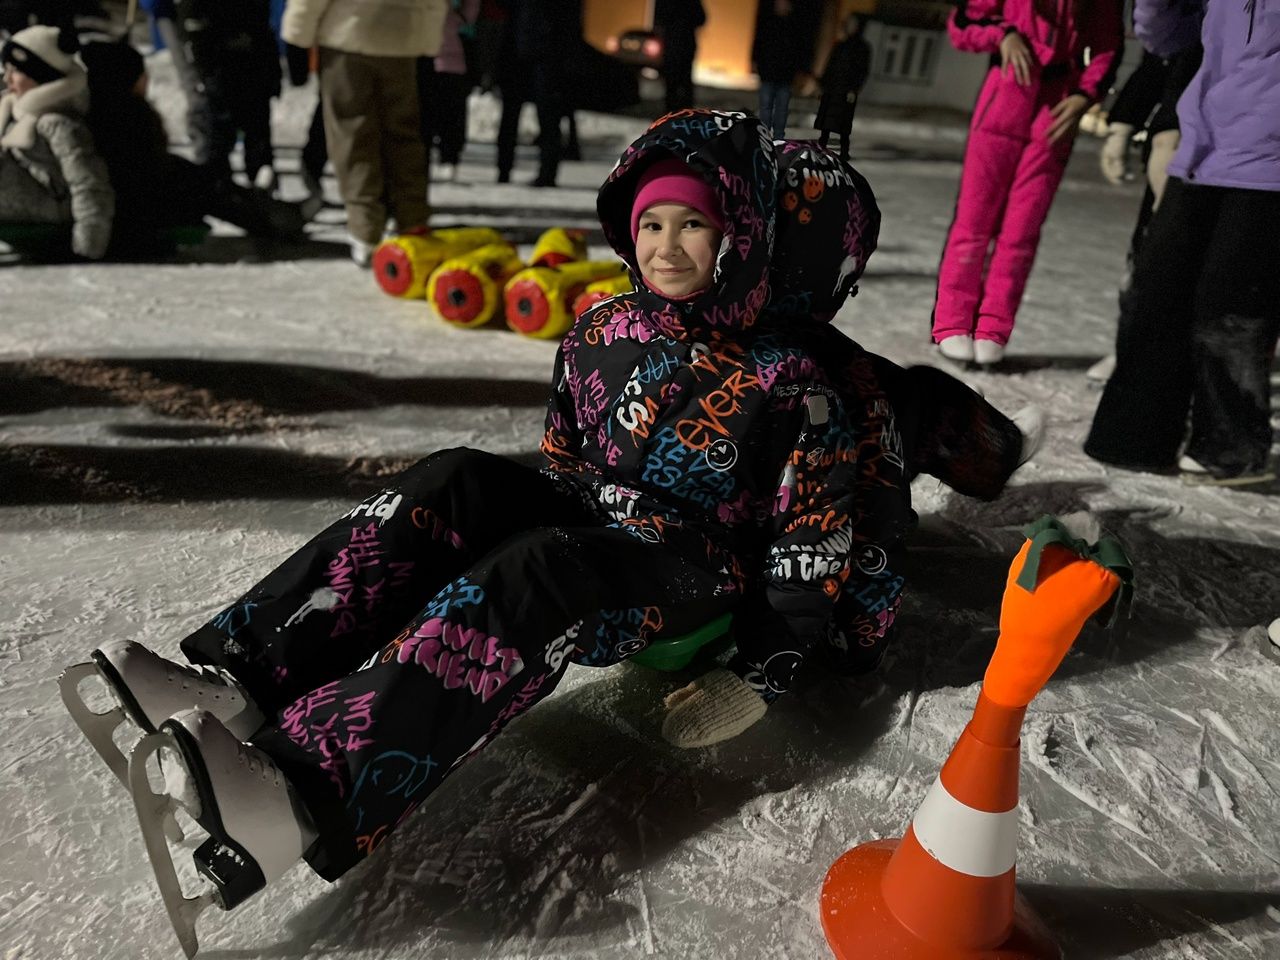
(406,635)
(1011,170)
(742,428)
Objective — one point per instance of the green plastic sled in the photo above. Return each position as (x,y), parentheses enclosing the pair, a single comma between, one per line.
(53,240)
(674,653)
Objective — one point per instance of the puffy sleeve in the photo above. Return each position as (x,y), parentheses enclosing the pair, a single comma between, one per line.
(93,202)
(843,507)
(1167,27)
(1105,40)
(301,21)
(978,26)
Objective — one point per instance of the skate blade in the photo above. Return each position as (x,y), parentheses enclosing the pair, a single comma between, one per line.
(99,728)
(1209,480)
(153,809)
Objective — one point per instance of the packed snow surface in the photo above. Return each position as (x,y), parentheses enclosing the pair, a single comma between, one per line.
(173,431)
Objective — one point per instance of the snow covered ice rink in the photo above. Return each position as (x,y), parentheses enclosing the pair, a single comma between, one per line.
(171,432)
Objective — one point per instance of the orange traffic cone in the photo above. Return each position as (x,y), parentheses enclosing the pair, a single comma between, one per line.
(946,891)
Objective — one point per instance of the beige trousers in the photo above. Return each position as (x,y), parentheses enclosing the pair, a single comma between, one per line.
(372,125)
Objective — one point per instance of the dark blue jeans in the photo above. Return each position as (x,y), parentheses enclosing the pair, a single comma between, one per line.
(775,102)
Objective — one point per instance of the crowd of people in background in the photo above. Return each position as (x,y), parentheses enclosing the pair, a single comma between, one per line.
(80,145)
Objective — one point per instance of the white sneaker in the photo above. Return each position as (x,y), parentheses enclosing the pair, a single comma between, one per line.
(361,252)
(149,689)
(266,181)
(1101,371)
(987,352)
(256,829)
(1031,424)
(1187,465)
(957,348)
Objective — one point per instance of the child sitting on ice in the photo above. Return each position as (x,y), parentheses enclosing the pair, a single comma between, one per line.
(692,453)
(49,169)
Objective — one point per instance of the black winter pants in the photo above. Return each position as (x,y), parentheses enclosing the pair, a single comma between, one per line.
(442,98)
(237,100)
(1205,312)
(406,635)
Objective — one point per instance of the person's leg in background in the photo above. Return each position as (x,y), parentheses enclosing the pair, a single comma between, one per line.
(768,93)
(572,145)
(781,110)
(430,107)
(1157,164)
(253,116)
(677,74)
(213,120)
(315,153)
(452,89)
(404,155)
(508,130)
(1031,191)
(991,159)
(189,80)
(1142,414)
(1237,318)
(352,126)
(549,100)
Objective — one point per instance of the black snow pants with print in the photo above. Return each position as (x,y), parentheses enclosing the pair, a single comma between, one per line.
(403,637)
(1199,337)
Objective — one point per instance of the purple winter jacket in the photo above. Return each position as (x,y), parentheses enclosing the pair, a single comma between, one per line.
(1230,114)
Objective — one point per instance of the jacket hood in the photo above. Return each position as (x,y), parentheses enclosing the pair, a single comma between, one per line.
(734,152)
(19,114)
(828,225)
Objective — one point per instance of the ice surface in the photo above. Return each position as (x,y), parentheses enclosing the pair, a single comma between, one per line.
(171,432)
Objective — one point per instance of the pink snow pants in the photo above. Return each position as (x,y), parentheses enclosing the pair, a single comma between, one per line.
(1010,175)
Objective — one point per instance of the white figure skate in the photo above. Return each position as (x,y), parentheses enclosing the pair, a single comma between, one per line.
(236,794)
(148,689)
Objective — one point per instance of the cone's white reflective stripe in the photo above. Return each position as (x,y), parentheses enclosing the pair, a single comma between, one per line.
(969,841)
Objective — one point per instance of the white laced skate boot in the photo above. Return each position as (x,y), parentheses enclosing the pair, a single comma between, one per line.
(149,689)
(256,828)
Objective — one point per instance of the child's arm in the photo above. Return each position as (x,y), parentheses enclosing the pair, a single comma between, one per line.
(93,202)
(562,438)
(978,26)
(843,512)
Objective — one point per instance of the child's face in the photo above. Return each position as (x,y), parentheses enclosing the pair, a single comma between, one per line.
(676,249)
(17,82)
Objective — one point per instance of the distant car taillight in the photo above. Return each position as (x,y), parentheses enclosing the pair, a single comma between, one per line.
(652,47)
(611,44)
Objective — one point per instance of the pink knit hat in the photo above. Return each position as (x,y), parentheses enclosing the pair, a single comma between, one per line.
(672,181)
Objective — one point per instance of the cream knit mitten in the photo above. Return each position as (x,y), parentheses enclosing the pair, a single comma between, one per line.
(715,707)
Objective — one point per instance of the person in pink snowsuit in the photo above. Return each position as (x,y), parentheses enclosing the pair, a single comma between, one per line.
(1020,138)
